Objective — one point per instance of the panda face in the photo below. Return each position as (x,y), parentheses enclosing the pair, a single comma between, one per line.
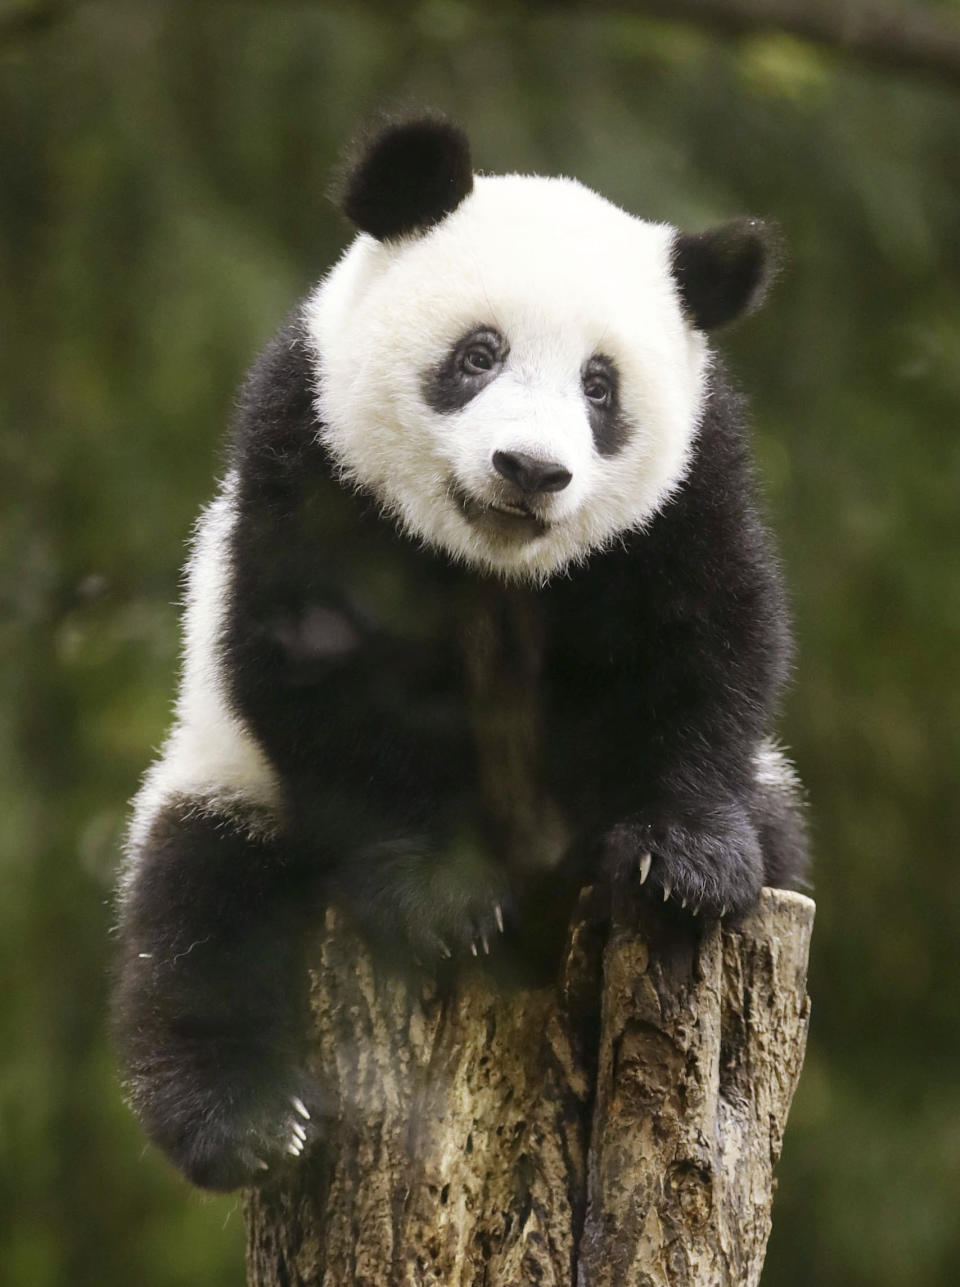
(517,385)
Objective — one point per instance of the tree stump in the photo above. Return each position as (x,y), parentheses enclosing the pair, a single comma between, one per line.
(618,1127)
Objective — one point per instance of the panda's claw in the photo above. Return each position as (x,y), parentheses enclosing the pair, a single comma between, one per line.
(473,947)
(683,902)
(445,951)
(300,1133)
(696,910)
(260,1164)
(486,945)
(299,1106)
(667,889)
(498,916)
(646,861)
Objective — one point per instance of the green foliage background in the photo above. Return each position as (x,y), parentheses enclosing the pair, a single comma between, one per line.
(162,203)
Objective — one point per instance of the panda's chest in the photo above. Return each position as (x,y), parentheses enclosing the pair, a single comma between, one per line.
(501,649)
(502,653)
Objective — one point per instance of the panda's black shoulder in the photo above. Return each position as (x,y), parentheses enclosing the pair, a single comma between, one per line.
(715,513)
(275,423)
(720,472)
(283,486)
(715,543)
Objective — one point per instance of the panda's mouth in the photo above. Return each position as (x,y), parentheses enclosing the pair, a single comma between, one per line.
(512,518)
(513,511)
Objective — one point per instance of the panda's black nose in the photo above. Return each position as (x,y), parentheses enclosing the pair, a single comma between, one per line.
(529,473)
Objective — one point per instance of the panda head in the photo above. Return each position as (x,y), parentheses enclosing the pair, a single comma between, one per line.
(513,366)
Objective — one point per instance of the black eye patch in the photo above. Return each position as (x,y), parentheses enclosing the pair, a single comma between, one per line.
(600,385)
(468,367)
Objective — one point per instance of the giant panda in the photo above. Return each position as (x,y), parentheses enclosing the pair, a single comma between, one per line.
(483,599)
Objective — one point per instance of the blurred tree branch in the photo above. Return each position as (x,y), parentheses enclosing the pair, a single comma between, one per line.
(20,20)
(908,37)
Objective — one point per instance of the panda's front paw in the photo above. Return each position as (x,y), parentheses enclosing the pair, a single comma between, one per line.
(428,906)
(228,1136)
(710,863)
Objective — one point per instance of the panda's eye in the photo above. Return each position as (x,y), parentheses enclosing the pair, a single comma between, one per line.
(597,390)
(467,367)
(600,386)
(599,382)
(478,359)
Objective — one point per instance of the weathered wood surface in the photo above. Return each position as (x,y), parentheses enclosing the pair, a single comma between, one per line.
(620,1127)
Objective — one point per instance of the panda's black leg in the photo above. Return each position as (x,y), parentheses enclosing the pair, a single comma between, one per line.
(209,998)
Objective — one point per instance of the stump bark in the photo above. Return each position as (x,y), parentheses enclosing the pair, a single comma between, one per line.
(620,1126)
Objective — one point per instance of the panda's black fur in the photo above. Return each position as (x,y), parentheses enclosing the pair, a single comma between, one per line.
(413,708)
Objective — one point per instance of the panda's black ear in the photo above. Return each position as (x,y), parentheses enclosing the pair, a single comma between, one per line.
(405,176)
(725,272)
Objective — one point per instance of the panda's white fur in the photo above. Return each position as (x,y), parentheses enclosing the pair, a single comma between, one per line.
(209,757)
(564,274)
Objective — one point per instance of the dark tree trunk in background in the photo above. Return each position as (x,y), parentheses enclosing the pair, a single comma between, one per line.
(911,37)
(619,1128)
